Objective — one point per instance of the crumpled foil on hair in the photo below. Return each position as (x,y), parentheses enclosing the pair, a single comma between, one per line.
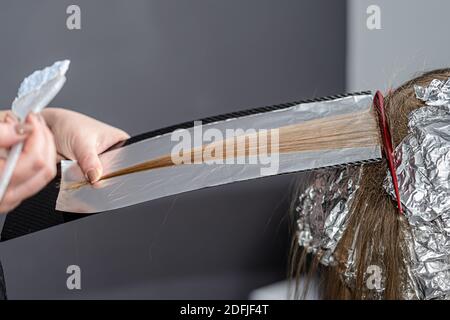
(322,209)
(423,170)
(436,94)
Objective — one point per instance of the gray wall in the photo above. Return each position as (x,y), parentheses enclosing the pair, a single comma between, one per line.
(142,65)
(413,39)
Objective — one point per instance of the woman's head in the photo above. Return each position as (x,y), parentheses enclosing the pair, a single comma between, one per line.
(376,237)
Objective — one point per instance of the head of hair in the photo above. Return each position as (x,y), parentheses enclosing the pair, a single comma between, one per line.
(375,230)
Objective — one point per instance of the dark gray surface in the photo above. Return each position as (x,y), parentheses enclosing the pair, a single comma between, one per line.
(142,65)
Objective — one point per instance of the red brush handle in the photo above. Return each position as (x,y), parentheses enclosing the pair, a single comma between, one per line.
(378,101)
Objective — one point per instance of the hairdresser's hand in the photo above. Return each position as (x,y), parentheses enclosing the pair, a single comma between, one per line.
(36,165)
(82,138)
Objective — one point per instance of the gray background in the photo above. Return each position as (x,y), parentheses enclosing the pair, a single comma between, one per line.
(142,65)
(413,39)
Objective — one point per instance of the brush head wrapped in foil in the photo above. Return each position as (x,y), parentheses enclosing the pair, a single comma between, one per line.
(423,170)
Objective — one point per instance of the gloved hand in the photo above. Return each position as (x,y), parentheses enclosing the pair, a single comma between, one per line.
(81,138)
(36,165)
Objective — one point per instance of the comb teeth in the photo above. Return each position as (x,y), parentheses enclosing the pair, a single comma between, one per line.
(340,166)
(237,114)
(356,163)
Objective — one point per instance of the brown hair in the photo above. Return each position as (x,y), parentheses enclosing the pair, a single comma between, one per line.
(375,227)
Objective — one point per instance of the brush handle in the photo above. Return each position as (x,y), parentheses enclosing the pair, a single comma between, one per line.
(10,165)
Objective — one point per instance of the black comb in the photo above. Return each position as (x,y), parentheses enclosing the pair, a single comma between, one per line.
(38,212)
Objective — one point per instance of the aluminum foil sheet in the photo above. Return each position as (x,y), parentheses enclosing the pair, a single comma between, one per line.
(323,207)
(152,184)
(423,169)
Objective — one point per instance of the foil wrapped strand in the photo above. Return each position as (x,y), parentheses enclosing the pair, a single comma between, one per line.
(322,208)
(324,198)
(147,185)
(423,170)
(436,94)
